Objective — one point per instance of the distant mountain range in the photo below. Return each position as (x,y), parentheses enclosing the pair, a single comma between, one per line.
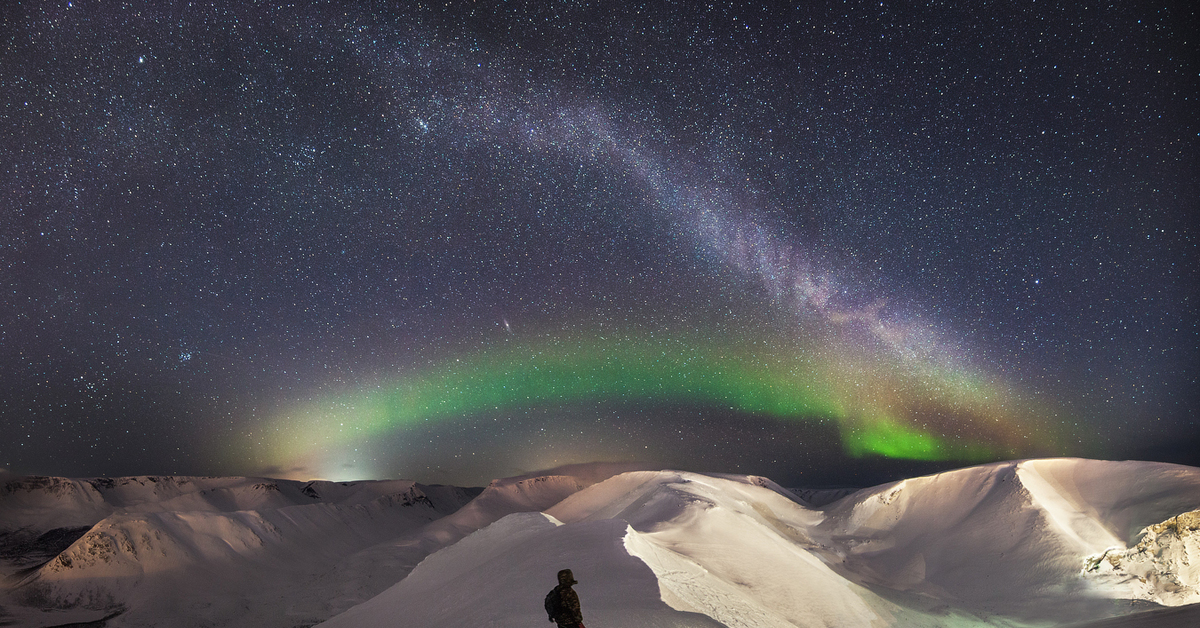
(1030,543)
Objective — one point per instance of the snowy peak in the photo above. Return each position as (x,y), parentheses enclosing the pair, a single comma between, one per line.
(1121,497)
(1053,489)
(1031,523)
(42,503)
(528,493)
(355,492)
(226,538)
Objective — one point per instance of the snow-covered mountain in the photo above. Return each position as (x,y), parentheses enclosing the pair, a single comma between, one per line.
(201,551)
(1031,543)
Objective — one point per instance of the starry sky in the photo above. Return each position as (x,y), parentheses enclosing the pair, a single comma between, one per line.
(825,242)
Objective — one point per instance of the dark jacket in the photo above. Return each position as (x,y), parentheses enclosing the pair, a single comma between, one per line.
(570,614)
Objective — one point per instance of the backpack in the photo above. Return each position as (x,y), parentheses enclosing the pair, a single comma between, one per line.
(553,603)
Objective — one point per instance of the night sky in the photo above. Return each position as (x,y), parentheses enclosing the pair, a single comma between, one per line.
(825,242)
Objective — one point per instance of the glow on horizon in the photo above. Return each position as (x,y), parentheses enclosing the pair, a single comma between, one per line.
(878,410)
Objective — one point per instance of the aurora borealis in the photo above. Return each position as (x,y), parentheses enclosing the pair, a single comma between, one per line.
(821,242)
(632,371)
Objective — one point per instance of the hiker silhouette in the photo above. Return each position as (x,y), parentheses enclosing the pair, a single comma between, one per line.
(562,603)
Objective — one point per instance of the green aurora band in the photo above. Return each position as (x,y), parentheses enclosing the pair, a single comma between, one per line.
(974,421)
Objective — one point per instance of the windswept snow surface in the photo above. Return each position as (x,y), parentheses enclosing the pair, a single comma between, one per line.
(997,545)
(1032,543)
(499,575)
(360,576)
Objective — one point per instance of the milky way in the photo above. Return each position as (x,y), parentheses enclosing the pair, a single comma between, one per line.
(833,243)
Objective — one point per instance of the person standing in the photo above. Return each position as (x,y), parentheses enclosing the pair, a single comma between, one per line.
(562,603)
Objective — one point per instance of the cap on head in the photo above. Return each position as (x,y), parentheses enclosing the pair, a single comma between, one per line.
(565,577)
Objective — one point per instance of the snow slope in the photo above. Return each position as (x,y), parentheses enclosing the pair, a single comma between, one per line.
(364,574)
(1008,538)
(499,575)
(1004,544)
(212,549)
(246,551)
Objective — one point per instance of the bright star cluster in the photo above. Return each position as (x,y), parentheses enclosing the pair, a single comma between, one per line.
(825,242)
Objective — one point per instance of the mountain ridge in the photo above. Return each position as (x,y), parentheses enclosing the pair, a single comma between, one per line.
(650,548)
